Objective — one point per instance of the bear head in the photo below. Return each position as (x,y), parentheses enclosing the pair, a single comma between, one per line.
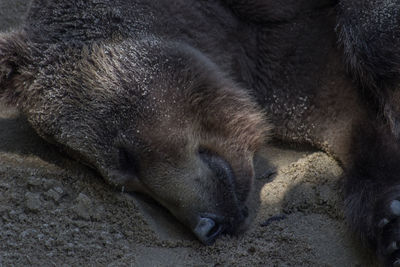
(150,115)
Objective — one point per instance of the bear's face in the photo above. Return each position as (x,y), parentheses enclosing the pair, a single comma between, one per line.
(153,117)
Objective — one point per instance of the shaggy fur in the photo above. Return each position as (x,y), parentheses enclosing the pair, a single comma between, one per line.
(146,100)
(169,97)
(369,33)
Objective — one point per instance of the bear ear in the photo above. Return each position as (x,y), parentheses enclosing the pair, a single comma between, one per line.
(15,67)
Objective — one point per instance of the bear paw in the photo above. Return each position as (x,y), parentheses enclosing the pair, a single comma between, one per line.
(388,232)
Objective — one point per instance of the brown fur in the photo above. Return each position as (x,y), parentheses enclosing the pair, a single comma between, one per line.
(170,98)
(145,128)
(15,59)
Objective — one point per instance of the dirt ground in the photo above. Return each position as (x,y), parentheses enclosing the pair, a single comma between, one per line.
(56,212)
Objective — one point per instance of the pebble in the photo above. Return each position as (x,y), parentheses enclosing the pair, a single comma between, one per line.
(33,181)
(83,206)
(59,190)
(33,202)
(53,194)
(22,217)
(5,186)
(48,183)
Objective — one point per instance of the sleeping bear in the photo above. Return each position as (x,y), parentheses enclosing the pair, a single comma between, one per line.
(174,98)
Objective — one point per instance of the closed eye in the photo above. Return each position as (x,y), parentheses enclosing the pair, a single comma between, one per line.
(221,168)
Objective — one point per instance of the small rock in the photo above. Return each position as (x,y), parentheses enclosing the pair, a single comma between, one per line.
(59,190)
(33,181)
(33,202)
(48,183)
(22,217)
(5,186)
(83,206)
(54,195)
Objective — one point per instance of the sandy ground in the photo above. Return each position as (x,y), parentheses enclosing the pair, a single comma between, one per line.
(56,212)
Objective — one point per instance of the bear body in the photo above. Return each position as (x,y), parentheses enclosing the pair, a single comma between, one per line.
(172,98)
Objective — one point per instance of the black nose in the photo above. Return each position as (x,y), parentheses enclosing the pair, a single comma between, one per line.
(207,230)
